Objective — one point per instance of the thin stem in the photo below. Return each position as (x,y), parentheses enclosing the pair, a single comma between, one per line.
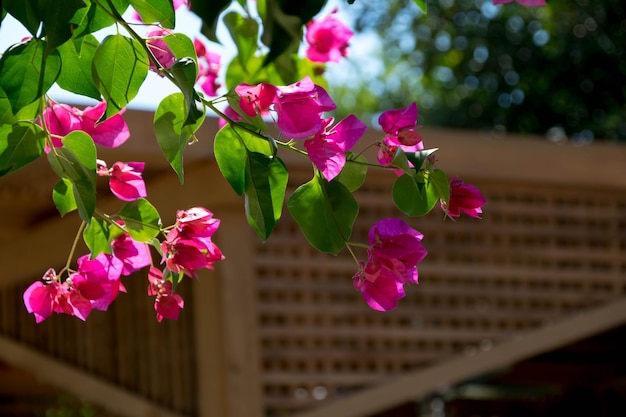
(348,246)
(74,245)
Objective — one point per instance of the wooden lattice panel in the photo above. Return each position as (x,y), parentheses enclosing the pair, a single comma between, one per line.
(539,254)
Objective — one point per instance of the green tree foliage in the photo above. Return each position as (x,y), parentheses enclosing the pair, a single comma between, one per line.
(555,70)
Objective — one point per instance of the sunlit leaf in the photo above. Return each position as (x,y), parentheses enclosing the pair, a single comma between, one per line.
(76,162)
(63,197)
(325,212)
(141,219)
(97,236)
(153,11)
(119,68)
(20,144)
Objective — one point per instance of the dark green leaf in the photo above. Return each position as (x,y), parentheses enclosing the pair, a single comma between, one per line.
(153,11)
(185,71)
(26,12)
(171,132)
(353,173)
(416,196)
(63,197)
(209,12)
(20,144)
(418,158)
(26,73)
(266,182)
(231,156)
(283,22)
(97,237)
(28,112)
(77,56)
(437,184)
(325,212)
(97,16)
(141,219)
(244,32)
(180,45)
(119,68)
(76,162)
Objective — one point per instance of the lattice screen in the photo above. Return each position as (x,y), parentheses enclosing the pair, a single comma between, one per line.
(540,253)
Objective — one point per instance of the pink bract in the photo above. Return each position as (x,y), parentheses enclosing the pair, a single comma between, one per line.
(160,50)
(328,39)
(300,106)
(110,133)
(256,99)
(327,149)
(464,198)
(394,252)
(134,255)
(126,182)
(167,303)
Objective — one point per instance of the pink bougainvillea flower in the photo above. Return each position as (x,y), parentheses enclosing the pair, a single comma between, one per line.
(328,39)
(394,252)
(94,285)
(188,246)
(126,182)
(299,107)
(327,149)
(399,126)
(256,99)
(110,133)
(98,279)
(43,298)
(162,53)
(167,303)
(528,3)
(464,198)
(231,114)
(61,119)
(208,68)
(134,255)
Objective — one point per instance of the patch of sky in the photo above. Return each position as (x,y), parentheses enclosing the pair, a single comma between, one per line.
(443,41)
(541,37)
(481,53)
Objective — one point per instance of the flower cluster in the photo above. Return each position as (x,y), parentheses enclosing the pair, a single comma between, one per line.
(394,251)
(328,39)
(93,286)
(188,246)
(399,126)
(61,119)
(299,108)
(167,303)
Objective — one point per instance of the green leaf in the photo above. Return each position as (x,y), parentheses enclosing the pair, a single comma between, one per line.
(119,68)
(77,56)
(185,71)
(63,197)
(325,212)
(180,45)
(422,5)
(26,73)
(171,132)
(54,15)
(352,176)
(418,158)
(416,196)
(97,16)
(141,219)
(283,22)
(244,32)
(266,182)
(153,11)
(437,184)
(20,144)
(231,156)
(209,12)
(97,237)
(76,162)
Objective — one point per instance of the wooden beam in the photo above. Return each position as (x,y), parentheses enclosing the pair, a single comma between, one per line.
(77,382)
(416,384)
